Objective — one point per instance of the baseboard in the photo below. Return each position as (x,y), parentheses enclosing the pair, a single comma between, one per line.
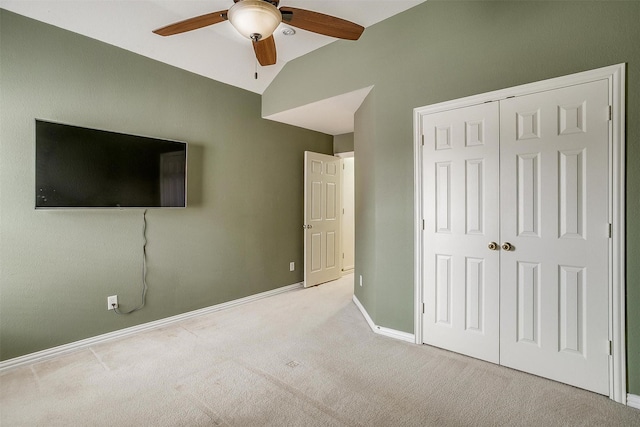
(633,401)
(387,332)
(399,335)
(68,348)
(365,314)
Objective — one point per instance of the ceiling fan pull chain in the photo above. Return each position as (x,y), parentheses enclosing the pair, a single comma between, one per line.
(256,75)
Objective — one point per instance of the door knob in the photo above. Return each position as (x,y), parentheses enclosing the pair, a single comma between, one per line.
(507,246)
(493,246)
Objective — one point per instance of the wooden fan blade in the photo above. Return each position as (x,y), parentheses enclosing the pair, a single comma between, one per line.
(192,23)
(265,51)
(321,23)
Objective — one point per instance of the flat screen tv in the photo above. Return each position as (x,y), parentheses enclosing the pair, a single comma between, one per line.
(78,167)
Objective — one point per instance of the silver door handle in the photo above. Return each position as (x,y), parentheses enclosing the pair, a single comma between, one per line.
(507,246)
(307,226)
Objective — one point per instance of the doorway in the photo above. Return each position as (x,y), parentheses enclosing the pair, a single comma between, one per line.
(329,228)
(322,216)
(348,212)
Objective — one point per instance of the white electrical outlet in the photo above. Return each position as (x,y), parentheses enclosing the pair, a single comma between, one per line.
(111,301)
(361,280)
(292,266)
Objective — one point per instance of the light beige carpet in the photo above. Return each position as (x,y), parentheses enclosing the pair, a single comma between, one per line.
(303,358)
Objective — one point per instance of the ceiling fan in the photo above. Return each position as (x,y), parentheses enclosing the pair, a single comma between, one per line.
(258,19)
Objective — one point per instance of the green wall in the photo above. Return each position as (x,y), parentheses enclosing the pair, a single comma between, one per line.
(245,196)
(445,50)
(343,143)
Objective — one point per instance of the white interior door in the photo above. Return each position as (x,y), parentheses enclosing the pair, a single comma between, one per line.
(555,214)
(322,218)
(461,209)
(348,214)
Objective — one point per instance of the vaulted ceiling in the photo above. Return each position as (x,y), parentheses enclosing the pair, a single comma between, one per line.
(218,51)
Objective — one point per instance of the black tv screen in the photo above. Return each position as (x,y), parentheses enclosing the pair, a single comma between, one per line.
(78,167)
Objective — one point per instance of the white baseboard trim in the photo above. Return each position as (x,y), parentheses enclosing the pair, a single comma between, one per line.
(387,332)
(365,314)
(399,335)
(633,401)
(68,348)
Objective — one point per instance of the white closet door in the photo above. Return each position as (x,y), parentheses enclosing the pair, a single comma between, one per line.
(554,211)
(461,274)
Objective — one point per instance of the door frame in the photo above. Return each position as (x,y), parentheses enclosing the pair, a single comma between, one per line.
(615,75)
(342,156)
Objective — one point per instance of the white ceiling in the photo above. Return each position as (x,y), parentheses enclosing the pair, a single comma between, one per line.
(218,51)
(332,115)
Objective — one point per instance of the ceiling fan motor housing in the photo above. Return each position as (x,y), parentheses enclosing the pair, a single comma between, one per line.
(254,19)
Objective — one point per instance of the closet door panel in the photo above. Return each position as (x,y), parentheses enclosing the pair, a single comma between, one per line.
(554,213)
(460,181)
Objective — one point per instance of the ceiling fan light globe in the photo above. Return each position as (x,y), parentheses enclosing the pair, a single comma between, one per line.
(251,17)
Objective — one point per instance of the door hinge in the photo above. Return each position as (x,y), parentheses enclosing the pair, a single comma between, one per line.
(422,308)
(343,255)
(422,139)
(610,348)
(610,112)
(610,230)
(423,224)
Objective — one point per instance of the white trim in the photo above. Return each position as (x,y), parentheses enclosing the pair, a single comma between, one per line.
(418,217)
(68,348)
(526,89)
(399,335)
(618,242)
(381,330)
(615,75)
(633,401)
(364,313)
